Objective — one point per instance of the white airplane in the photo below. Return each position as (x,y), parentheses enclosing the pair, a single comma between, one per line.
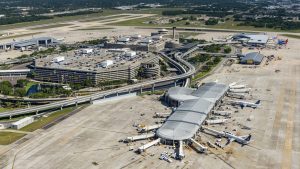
(245,90)
(240,139)
(222,113)
(245,104)
(232,84)
(237,87)
(217,121)
(231,137)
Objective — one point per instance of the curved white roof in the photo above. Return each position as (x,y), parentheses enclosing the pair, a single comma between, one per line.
(180,94)
(189,116)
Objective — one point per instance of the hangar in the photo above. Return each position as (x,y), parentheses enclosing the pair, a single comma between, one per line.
(252,58)
(34,42)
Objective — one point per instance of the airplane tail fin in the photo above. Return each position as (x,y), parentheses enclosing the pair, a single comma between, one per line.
(258,102)
(248,138)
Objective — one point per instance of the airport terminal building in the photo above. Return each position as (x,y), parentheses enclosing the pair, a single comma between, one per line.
(252,39)
(193,107)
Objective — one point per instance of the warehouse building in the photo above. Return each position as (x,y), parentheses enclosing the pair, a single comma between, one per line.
(31,43)
(22,123)
(253,58)
(102,65)
(193,108)
(252,39)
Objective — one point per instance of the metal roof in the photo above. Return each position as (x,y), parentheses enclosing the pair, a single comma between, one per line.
(252,38)
(186,120)
(255,56)
(263,39)
(211,91)
(180,94)
(33,41)
(22,120)
(15,71)
(188,117)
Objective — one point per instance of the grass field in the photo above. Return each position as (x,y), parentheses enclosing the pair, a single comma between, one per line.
(20,35)
(229,24)
(102,18)
(60,19)
(46,120)
(13,118)
(291,36)
(5,67)
(9,137)
(202,74)
(2,109)
(92,28)
(133,22)
(29,84)
(105,12)
(51,26)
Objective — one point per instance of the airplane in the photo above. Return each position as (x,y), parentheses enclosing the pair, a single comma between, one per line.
(237,87)
(245,104)
(245,90)
(282,42)
(244,140)
(232,84)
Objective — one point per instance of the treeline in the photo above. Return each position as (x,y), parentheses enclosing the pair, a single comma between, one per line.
(208,13)
(62,5)
(30,18)
(275,23)
(51,91)
(216,8)
(78,13)
(12,20)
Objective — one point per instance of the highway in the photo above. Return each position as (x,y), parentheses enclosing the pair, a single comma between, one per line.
(186,68)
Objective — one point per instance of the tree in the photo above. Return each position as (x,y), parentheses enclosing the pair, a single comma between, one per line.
(5,87)
(21,92)
(63,48)
(227,49)
(211,21)
(193,18)
(22,83)
(171,20)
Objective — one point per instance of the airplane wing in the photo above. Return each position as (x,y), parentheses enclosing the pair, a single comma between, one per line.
(245,136)
(230,140)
